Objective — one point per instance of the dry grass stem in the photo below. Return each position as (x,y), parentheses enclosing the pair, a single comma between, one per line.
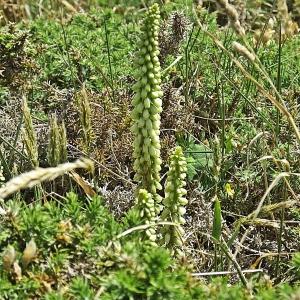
(233,16)
(39,175)
(204,274)
(243,51)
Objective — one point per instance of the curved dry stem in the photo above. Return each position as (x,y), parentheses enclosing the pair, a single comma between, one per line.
(39,175)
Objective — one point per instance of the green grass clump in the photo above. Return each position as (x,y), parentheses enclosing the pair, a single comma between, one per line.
(82,50)
(78,235)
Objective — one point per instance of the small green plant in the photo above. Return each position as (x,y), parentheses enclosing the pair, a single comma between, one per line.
(296,265)
(147,105)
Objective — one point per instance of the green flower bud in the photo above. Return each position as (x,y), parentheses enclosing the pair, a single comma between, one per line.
(155,95)
(181,210)
(147,103)
(144,94)
(146,114)
(149,126)
(139,108)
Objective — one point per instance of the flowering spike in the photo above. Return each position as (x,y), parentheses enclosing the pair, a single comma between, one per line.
(57,149)
(175,200)
(29,135)
(146,209)
(147,108)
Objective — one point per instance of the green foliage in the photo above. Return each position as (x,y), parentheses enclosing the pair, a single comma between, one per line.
(76,234)
(125,269)
(80,289)
(80,252)
(131,270)
(199,159)
(296,264)
(76,51)
(14,56)
(150,277)
(217,224)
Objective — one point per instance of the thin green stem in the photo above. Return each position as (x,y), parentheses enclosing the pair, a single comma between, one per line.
(278,81)
(109,57)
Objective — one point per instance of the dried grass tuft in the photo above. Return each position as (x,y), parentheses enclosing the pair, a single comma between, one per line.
(57,148)
(173,32)
(84,108)
(29,135)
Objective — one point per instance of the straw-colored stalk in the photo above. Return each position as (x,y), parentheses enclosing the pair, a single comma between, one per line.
(241,49)
(233,16)
(39,175)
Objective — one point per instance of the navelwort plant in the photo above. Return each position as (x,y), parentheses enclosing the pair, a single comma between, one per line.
(175,200)
(146,208)
(147,105)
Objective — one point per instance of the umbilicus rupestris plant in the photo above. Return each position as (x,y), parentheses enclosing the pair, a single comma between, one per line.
(147,105)
(175,201)
(146,209)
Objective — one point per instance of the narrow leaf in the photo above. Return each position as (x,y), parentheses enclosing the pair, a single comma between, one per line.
(217,225)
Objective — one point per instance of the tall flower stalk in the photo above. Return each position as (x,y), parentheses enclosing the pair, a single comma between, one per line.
(145,206)
(147,105)
(175,201)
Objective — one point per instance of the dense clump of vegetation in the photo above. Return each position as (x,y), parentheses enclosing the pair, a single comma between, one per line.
(149,150)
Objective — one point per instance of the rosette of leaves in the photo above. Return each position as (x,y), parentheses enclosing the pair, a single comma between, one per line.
(147,105)
(175,200)
(146,209)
